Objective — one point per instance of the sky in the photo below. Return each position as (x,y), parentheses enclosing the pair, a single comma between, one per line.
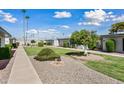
(59,23)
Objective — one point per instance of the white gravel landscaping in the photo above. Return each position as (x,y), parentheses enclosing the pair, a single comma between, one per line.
(70,72)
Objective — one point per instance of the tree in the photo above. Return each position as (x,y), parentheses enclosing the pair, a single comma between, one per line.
(33,41)
(116,27)
(93,41)
(81,37)
(27,18)
(24,11)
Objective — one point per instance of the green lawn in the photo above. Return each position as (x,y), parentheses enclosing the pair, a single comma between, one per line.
(112,66)
(35,50)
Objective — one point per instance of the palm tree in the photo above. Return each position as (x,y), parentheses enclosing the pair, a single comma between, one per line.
(27,18)
(24,11)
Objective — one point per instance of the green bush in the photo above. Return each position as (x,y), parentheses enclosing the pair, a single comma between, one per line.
(110,45)
(48,43)
(14,45)
(5,53)
(65,44)
(40,44)
(47,54)
(9,46)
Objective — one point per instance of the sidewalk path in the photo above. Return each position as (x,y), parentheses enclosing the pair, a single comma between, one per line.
(23,71)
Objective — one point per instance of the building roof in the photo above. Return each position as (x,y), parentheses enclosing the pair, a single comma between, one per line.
(63,38)
(112,35)
(4,32)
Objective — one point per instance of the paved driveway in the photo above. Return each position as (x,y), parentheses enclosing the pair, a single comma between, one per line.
(72,72)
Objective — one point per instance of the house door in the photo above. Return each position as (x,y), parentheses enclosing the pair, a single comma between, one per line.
(123,44)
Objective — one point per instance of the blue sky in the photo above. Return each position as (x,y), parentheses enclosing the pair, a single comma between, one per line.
(51,23)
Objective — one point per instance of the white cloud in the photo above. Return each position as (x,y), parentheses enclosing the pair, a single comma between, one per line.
(91,23)
(96,17)
(32,31)
(80,23)
(44,33)
(65,26)
(63,14)
(7,17)
(118,18)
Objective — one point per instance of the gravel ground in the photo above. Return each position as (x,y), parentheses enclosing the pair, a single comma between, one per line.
(70,72)
(4,73)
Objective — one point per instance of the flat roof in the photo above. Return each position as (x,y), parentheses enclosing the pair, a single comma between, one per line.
(112,35)
(63,38)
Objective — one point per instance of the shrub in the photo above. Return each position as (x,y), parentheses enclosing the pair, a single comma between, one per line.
(33,41)
(48,43)
(14,45)
(75,53)
(9,46)
(40,44)
(110,45)
(47,54)
(28,44)
(65,44)
(5,53)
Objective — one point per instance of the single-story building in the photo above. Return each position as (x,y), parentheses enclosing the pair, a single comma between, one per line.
(62,40)
(13,40)
(4,37)
(119,41)
(57,42)
(49,42)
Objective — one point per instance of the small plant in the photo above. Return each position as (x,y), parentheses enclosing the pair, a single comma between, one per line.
(40,44)
(47,54)
(110,45)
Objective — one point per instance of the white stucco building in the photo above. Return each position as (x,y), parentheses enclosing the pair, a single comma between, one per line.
(4,37)
(118,38)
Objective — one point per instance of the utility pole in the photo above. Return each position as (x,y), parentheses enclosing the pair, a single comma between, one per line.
(24,11)
(27,19)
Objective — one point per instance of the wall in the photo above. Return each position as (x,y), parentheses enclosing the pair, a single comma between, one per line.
(2,41)
(119,44)
(56,43)
(7,41)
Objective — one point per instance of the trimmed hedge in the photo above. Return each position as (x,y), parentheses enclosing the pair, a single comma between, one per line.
(47,54)
(5,53)
(110,45)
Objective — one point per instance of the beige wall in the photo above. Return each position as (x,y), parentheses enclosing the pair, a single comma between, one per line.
(119,44)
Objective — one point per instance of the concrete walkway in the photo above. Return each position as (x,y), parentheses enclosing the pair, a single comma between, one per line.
(23,71)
